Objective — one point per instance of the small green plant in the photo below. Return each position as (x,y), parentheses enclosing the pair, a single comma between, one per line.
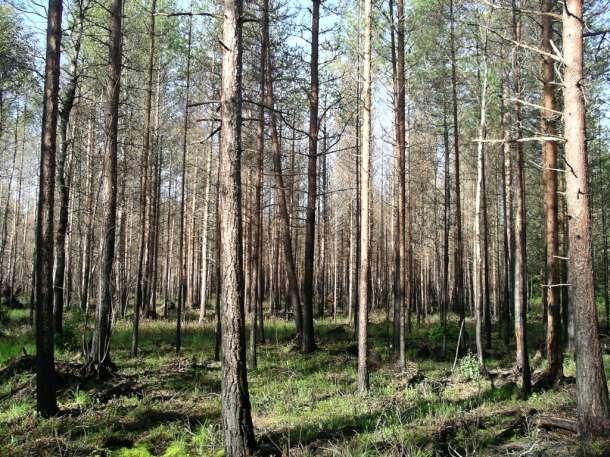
(435,334)
(176,449)
(15,411)
(69,339)
(470,368)
(207,438)
(138,451)
(79,397)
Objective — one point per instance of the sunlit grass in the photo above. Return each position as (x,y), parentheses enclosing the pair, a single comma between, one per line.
(307,402)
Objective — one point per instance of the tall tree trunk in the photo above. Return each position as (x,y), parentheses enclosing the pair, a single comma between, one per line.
(236,419)
(204,235)
(293,287)
(399,94)
(554,352)
(88,215)
(446,221)
(99,356)
(155,191)
(308,343)
(17,216)
(142,279)
(181,253)
(507,216)
(367,141)
(478,264)
(397,292)
(591,387)
(255,296)
(168,242)
(7,205)
(46,396)
(459,244)
(218,329)
(324,235)
(191,250)
(64,175)
(520,266)
(605,280)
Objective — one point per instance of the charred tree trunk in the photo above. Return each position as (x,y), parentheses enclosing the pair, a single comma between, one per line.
(46,396)
(308,343)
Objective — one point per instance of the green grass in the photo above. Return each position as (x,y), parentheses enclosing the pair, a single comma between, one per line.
(306,403)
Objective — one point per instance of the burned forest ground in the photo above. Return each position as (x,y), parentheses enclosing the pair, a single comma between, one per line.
(164,404)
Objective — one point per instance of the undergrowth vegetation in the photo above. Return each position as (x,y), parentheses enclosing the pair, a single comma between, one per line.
(164,404)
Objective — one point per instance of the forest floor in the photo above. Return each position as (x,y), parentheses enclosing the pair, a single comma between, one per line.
(168,405)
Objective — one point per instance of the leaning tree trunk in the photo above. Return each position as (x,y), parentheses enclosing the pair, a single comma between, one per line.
(236,419)
(99,355)
(293,287)
(46,397)
(591,387)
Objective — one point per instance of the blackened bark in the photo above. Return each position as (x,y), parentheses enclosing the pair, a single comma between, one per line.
(46,397)
(307,342)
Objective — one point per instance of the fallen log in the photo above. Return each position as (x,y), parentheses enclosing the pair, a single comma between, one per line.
(553,422)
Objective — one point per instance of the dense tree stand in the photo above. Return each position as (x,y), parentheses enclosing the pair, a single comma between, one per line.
(304,227)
